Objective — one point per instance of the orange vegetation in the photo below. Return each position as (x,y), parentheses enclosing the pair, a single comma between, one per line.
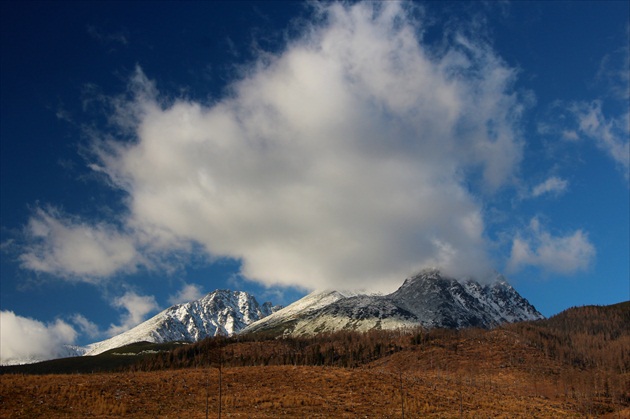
(567,366)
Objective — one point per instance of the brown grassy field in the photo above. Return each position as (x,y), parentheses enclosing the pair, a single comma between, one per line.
(273,391)
(465,374)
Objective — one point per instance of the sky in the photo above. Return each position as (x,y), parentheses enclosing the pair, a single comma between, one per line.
(155,152)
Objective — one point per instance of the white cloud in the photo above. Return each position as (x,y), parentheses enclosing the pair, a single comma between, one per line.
(69,248)
(136,308)
(188,293)
(566,254)
(554,185)
(611,134)
(25,339)
(340,162)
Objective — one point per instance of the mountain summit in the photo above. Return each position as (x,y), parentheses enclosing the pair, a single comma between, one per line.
(221,312)
(428,299)
(442,301)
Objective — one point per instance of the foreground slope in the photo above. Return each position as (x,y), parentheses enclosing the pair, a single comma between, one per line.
(561,367)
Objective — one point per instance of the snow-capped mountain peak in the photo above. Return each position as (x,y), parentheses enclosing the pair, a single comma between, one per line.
(429,299)
(222,312)
(439,300)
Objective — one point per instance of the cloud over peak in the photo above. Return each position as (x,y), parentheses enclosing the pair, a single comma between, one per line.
(342,160)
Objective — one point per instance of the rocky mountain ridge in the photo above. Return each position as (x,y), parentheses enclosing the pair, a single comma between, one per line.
(428,299)
(222,312)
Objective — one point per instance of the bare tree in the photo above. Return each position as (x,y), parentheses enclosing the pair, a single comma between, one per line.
(215,357)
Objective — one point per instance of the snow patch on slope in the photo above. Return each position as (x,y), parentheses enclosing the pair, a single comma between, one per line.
(299,309)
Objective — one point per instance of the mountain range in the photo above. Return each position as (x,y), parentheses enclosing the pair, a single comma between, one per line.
(428,299)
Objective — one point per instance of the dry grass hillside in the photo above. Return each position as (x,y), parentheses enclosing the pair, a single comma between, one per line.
(567,366)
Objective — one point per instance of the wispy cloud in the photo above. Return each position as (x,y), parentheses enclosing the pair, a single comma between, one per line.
(611,134)
(86,327)
(605,119)
(587,121)
(613,71)
(563,254)
(340,161)
(23,338)
(104,37)
(553,185)
(570,135)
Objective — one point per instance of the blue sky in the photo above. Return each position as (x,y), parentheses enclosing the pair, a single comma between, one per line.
(154,152)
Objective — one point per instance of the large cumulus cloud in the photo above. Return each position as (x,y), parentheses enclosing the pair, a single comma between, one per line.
(23,339)
(346,159)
